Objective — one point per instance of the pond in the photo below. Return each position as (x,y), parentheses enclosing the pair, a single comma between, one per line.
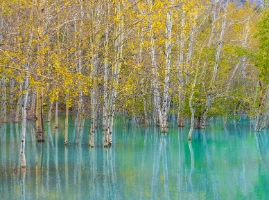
(219,163)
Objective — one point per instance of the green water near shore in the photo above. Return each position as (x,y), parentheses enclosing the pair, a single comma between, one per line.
(230,163)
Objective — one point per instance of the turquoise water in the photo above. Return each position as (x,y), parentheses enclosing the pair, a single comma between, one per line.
(231,163)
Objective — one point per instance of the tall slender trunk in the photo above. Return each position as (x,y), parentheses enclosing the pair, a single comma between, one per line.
(24,109)
(191,106)
(79,119)
(118,48)
(105,106)
(166,96)
(93,103)
(94,47)
(78,47)
(192,118)
(24,119)
(155,82)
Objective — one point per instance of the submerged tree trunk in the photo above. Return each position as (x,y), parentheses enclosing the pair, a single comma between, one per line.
(155,82)
(78,47)
(192,121)
(106,100)
(24,119)
(79,117)
(105,105)
(93,103)
(94,48)
(66,124)
(118,48)
(166,96)
(39,117)
(191,106)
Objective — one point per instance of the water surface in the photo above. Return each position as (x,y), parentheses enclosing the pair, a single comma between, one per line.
(230,163)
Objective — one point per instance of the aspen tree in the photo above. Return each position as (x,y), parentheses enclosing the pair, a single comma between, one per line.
(78,47)
(106,66)
(168,48)
(193,65)
(118,52)
(95,18)
(41,37)
(24,118)
(155,82)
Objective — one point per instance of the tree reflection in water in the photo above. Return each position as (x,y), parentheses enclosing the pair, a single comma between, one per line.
(142,164)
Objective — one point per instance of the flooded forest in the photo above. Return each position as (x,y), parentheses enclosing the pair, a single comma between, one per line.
(91,77)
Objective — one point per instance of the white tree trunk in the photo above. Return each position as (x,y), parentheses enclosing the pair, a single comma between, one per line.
(118,48)
(79,117)
(95,43)
(155,82)
(93,103)
(24,119)
(166,96)
(191,106)
(106,100)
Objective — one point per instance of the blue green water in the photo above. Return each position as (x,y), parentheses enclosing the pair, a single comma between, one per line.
(230,163)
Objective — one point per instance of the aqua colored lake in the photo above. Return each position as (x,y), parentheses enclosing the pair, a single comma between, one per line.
(231,163)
